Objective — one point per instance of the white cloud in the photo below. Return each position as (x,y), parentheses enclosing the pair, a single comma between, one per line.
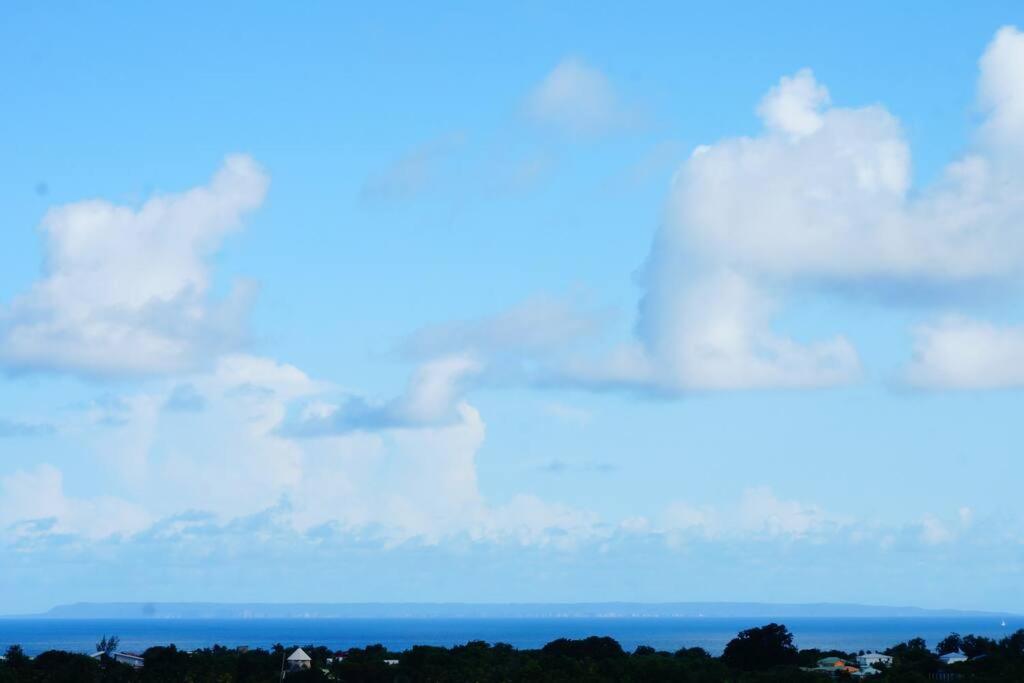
(759,513)
(936,531)
(38,495)
(793,106)
(431,398)
(822,198)
(714,333)
(433,389)
(126,291)
(682,516)
(407,482)
(823,192)
(577,98)
(529,520)
(243,371)
(818,193)
(1002,72)
(412,478)
(412,173)
(960,353)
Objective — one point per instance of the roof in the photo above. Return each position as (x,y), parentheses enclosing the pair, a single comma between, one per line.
(299,656)
(130,655)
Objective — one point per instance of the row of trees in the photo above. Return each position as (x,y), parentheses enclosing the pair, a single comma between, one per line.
(761,655)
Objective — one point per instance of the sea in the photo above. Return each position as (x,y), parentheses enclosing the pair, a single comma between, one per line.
(37,635)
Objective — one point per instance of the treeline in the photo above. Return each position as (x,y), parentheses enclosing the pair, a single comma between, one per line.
(759,655)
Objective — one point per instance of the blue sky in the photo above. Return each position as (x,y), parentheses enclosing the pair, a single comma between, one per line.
(547,302)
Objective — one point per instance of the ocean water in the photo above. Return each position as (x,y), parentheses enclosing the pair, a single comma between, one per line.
(850,634)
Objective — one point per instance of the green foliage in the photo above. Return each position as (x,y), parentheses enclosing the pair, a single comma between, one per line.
(15,658)
(950,643)
(108,645)
(763,647)
(594,647)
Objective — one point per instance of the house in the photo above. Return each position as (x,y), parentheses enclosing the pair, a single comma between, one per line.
(872,658)
(835,664)
(129,658)
(953,657)
(391,662)
(299,660)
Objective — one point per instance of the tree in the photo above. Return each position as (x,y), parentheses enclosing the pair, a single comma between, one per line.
(55,666)
(973,646)
(763,647)
(108,645)
(913,658)
(950,643)
(16,657)
(595,647)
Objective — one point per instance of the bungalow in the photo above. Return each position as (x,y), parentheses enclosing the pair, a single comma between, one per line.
(835,664)
(872,658)
(299,660)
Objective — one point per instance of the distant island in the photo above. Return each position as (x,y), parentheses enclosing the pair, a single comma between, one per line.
(385,610)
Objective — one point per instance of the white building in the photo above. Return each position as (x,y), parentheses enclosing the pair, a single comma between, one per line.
(299,660)
(872,658)
(128,658)
(953,657)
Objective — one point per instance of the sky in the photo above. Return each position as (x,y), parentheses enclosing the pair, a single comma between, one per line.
(543,302)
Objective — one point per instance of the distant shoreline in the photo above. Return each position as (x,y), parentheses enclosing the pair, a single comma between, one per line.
(595,610)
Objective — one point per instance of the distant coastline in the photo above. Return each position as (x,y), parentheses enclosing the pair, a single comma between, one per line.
(590,610)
